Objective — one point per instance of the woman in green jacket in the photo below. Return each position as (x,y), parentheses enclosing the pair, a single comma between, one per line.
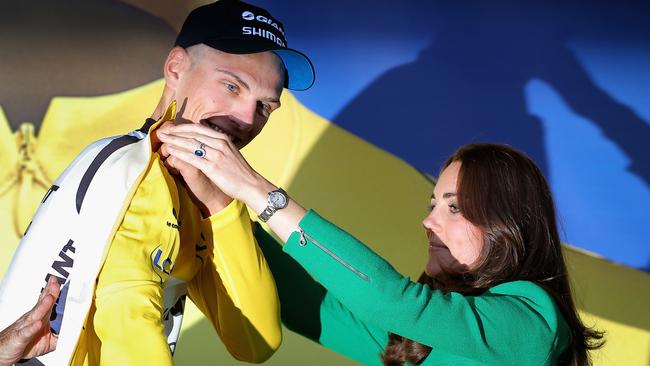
(494,290)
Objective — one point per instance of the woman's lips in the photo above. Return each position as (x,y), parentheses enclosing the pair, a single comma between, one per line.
(435,243)
(437,246)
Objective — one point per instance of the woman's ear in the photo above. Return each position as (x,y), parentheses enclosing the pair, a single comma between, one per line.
(175,64)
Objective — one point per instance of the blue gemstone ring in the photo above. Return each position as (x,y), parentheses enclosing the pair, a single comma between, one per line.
(200,151)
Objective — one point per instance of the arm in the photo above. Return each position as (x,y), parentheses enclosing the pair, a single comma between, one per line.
(235,289)
(485,327)
(309,310)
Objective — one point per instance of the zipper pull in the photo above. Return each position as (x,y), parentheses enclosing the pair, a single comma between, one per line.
(303,241)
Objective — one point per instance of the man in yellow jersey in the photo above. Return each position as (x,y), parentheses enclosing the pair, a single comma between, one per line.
(227,72)
(178,234)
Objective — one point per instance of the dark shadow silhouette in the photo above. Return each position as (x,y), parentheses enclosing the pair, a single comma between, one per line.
(468,85)
(300,296)
(200,344)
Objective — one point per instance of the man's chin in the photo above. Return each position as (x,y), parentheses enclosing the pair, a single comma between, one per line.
(240,144)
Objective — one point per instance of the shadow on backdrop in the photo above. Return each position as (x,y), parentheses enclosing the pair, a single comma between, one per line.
(468,84)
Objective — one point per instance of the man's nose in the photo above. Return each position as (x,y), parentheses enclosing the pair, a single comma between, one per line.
(245,114)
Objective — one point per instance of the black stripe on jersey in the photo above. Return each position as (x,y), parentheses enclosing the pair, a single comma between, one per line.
(30,362)
(147,125)
(109,149)
(52,189)
(103,155)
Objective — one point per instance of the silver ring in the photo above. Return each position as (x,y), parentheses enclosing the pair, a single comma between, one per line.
(200,151)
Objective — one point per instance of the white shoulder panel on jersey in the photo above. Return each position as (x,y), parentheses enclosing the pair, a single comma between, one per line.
(70,235)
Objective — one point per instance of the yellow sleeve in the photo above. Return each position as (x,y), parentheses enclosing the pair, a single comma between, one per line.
(235,288)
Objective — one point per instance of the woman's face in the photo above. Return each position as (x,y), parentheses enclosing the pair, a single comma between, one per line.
(454,243)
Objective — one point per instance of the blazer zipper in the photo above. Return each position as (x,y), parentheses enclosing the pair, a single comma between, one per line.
(303,241)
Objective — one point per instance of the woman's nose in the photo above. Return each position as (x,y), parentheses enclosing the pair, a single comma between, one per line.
(430,221)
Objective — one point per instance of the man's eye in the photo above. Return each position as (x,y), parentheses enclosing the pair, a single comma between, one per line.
(453,208)
(430,207)
(265,109)
(231,87)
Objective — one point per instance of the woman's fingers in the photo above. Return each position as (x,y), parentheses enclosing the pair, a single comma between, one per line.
(196,128)
(212,153)
(193,142)
(190,158)
(186,143)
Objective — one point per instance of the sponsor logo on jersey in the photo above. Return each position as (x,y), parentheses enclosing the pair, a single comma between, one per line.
(60,269)
(176,225)
(162,267)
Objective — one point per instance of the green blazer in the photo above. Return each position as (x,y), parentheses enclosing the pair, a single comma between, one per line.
(359,298)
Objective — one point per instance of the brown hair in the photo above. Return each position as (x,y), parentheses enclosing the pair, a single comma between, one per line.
(503,193)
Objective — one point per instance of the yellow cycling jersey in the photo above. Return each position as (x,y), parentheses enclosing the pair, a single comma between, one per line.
(162,237)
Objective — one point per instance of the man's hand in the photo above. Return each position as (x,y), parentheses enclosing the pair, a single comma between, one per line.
(30,335)
(205,194)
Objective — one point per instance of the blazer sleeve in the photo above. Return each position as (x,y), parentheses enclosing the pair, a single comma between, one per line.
(309,310)
(513,316)
(235,289)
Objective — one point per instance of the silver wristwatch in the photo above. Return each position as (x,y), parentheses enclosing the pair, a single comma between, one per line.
(277,200)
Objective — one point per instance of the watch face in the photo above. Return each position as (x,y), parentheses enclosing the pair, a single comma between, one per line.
(277,199)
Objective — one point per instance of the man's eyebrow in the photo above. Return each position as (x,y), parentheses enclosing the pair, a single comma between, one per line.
(239,80)
(272,100)
(243,83)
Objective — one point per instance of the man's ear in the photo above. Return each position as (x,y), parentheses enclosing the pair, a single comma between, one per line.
(177,61)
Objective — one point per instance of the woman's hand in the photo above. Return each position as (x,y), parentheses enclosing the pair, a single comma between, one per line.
(228,170)
(30,335)
(221,162)
(205,194)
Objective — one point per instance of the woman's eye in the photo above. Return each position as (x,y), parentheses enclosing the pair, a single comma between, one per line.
(453,208)
(431,205)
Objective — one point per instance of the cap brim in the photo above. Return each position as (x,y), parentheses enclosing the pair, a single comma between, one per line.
(300,70)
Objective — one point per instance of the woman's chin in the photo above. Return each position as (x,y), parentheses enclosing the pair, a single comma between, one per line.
(432,269)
